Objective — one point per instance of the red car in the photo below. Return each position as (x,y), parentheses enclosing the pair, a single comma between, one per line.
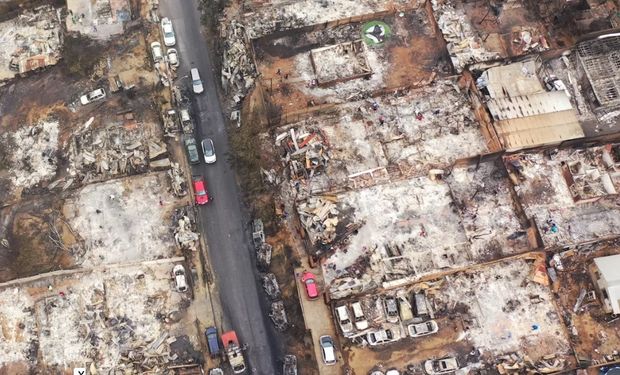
(312,289)
(200,190)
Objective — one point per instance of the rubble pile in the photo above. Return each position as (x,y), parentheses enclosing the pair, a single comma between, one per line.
(185,233)
(177,181)
(270,284)
(98,154)
(464,44)
(278,315)
(305,151)
(33,153)
(319,217)
(29,42)
(238,70)
(170,121)
(528,40)
(515,364)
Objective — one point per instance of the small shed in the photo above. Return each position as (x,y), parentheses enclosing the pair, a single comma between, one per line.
(608,270)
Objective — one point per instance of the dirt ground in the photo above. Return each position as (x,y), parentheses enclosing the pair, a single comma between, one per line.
(22,107)
(408,57)
(593,333)
(52,233)
(410,353)
(39,239)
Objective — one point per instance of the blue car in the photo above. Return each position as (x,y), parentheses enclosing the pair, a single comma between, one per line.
(212,341)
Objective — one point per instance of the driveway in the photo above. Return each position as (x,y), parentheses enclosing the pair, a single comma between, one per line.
(319,320)
(223,221)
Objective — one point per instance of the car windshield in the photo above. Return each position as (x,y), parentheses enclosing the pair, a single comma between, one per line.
(197,82)
(309,281)
(169,34)
(201,192)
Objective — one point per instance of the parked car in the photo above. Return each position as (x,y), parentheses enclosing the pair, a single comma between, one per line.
(441,366)
(404,309)
(156,51)
(342,315)
(92,96)
(358,316)
(196,81)
(328,350)
(168,31)
(200,190)
(179,277)
(423,329)
(383,336)
(309,280)
(289,365)
(173,57)
(192,150)
(213,341)
(208,150)
(420,304)
(391,309)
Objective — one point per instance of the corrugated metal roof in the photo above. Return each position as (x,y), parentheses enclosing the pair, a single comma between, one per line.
(515,79)
(531,131)
(535,104)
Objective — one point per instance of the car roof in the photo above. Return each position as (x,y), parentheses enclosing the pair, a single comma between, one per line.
(199,184)
(330,354)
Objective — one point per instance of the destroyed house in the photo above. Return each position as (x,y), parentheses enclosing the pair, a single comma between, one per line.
(608,280)
(600,59)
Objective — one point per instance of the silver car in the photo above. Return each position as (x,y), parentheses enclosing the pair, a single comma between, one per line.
(423,329)
(328,350)
(441,366)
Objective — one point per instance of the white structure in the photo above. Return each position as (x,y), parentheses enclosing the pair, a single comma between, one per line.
(609,281)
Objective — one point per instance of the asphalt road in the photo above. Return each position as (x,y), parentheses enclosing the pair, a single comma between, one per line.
(224,221)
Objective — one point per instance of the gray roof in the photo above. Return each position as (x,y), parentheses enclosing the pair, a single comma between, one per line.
(609,267)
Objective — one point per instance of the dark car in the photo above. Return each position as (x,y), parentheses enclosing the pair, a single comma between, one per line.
(212,341)
(192,150)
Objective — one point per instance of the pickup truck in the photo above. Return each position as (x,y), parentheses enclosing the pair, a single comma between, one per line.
(233,352)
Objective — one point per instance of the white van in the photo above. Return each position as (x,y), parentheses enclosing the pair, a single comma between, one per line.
(342,315)
(358,316)
(196,81)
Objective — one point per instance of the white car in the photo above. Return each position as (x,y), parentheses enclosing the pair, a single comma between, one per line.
(92,96)
(342,315)
(383,336)
(196,81)
(173,57)
(208,150)
(358,316)
(423,329)
(328,350)
(179,278)
(166,29)
(441,366)
(156,51)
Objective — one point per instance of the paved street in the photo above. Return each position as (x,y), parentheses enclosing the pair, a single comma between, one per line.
(223,221)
